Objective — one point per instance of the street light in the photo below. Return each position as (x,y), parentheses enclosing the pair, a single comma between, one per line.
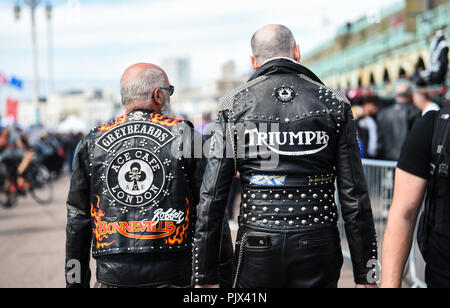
(32,4)
(49,11)
(17,11)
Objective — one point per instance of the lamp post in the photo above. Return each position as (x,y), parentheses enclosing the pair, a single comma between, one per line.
(32,4)
(49,11)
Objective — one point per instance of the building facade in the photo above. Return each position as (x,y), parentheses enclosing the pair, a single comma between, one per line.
(376,51)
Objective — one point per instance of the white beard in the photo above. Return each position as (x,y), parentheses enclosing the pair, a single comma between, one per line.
(166,110)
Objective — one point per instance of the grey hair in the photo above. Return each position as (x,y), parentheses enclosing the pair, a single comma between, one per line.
(141,89)
(272,41)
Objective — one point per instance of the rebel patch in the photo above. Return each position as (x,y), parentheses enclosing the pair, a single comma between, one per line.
(285,94)
(135,177)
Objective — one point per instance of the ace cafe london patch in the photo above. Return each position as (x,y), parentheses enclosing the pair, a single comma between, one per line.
(135,177)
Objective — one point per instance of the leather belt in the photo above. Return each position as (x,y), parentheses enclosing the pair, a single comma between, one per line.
(289,210)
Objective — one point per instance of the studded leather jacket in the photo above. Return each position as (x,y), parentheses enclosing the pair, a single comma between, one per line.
(291,138)
(133,200)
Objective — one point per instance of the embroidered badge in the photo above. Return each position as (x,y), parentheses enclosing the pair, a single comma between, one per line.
(443,169)
(268,180)
(148,131)
(137,116)
(285,95)
(135,177)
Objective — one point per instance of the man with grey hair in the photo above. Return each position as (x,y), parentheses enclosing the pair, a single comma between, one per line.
(133,199)
(288,235)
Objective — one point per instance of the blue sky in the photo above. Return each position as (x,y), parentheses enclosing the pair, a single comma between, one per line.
(95,40)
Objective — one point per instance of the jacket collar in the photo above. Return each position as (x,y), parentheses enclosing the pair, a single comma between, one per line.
(278,66)
(149,111)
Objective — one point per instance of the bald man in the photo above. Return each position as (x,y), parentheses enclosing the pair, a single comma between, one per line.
(133,194)
(290,137)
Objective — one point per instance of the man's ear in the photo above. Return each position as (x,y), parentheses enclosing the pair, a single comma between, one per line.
(255,63)
(297,54)
(158,97)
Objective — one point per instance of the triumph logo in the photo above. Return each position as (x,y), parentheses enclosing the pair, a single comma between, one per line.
(273,141)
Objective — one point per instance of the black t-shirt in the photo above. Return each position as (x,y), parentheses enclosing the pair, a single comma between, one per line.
(416,155)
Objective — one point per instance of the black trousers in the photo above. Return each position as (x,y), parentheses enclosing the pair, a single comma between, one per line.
(273,260)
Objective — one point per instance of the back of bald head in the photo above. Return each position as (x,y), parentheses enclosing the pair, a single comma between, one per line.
(272,41)
(139,82)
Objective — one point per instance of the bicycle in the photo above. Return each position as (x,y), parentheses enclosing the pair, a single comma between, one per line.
(36,181)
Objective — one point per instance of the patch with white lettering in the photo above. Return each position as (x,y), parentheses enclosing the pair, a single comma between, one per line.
(135,177)
(268,180)
(285,94)
(302,143)
(153,132)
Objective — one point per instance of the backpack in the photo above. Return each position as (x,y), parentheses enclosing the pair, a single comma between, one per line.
(439,168)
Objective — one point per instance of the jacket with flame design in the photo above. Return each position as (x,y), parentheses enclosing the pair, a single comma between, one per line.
(132,200)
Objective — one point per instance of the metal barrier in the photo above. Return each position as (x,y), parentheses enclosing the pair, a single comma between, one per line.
(380,181)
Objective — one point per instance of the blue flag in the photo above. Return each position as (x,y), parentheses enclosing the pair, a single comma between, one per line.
(16,82)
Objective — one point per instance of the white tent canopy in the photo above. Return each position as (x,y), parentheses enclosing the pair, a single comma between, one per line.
(72,124)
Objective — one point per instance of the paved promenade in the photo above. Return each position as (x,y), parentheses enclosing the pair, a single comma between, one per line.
(32,240)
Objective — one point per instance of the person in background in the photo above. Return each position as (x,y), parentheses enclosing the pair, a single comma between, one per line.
(368,127)
(69,142)
(395,122)
(436,72)
(422,171)
(422,100)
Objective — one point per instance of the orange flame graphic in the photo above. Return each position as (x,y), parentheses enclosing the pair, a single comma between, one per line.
(112,124)
(181,233)
(163,120)
(97,215)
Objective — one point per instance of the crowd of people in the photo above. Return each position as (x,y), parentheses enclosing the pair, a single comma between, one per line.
(383,125)
(20,147)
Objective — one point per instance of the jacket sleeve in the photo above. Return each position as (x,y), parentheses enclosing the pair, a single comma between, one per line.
(79,230)
(355,201)
(198,165)
(210,212)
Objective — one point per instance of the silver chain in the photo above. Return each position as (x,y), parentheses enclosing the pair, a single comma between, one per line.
(241,255)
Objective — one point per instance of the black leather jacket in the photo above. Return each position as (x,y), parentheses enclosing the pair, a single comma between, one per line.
(133,198)
(394,123)
(285,114)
